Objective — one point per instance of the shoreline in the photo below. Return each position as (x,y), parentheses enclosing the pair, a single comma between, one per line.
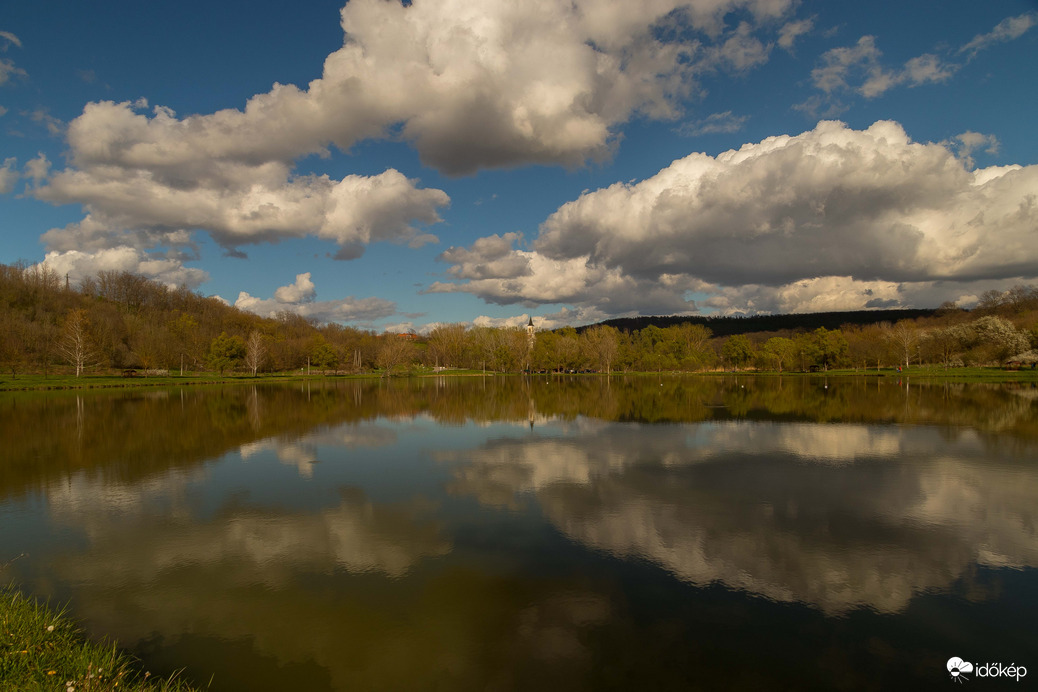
(38,383)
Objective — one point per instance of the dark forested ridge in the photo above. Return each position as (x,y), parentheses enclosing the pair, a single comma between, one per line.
(748,324)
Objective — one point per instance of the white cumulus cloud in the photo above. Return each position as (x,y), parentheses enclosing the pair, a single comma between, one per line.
(595,289)
(300,296)
(833,218)
(301,291)
(871,204)
(78,265)
(148,176)
(469,85)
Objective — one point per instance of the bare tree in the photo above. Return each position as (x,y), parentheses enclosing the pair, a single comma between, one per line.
(905,337)
(483,341)
(446,344)
(255,351)
(393,350)
(75,341)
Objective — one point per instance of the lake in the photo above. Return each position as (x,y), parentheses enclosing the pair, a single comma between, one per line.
(510,533)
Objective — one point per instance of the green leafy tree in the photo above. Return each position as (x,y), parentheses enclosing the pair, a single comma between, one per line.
(511,352)
(322,354)
(601,343)
(737,350)
(807,354)
(831,347)
(654,351)
(545,354)
(779,352)
(570,354)
(226,352)
(692,349)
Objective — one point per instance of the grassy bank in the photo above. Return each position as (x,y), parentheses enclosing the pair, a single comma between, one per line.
(43,649)
(40,382)
(56,382)
(973,374)
(937,373)
(32,381)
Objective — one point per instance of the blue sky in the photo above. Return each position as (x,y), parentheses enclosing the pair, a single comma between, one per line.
(397,166)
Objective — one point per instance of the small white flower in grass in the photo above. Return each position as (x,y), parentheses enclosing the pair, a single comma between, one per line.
(50,628)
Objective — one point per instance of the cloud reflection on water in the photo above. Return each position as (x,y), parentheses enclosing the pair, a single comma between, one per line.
(385,571)
(302,452)
(835,516)
(153,529)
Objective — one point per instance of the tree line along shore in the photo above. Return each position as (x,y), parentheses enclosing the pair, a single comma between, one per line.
(122,324)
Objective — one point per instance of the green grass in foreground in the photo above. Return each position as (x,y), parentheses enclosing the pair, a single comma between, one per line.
(43,649)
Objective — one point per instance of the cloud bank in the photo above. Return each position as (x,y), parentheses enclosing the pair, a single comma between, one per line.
(869,216)
(834,217)
(469,86)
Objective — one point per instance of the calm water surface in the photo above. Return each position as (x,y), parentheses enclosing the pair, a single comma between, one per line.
(513,534)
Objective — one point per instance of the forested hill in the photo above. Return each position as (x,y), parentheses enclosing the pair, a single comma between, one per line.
(118,321)
(730,325)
